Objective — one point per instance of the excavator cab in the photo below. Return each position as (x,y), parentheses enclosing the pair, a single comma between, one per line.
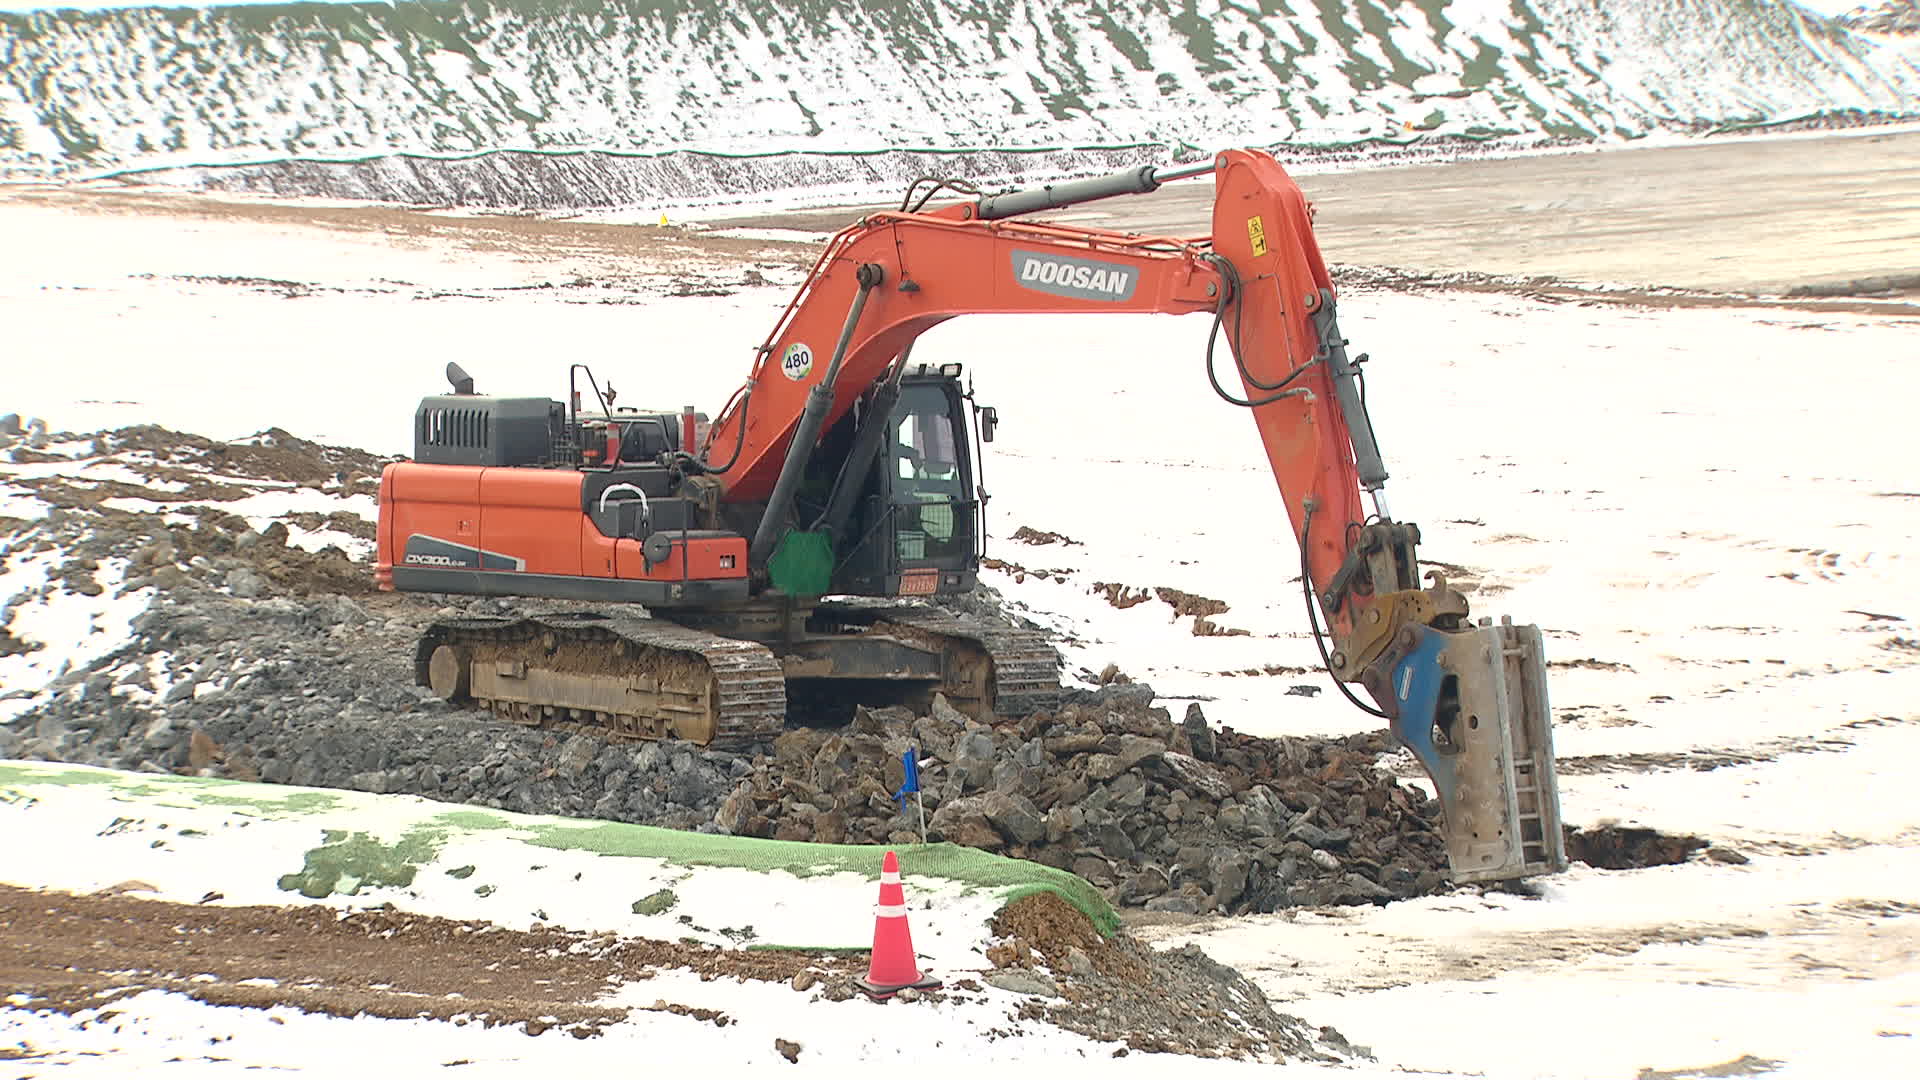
(915,528)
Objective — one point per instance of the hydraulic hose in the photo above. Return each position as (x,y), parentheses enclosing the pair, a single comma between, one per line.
(739,434)
(866,447)
(1313,620)
(807,431)
(1231,295)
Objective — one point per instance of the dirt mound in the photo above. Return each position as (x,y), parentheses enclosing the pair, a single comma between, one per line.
(165,502)
(172,468)
(223,539)
(1048,923)
(1118,990)
(1044,930)
(274,453)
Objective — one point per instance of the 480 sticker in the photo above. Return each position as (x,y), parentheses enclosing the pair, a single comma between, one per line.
(797,362)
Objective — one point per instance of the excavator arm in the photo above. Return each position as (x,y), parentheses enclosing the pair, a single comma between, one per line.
(1468,700)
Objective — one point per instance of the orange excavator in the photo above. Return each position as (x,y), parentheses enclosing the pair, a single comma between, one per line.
(775,548)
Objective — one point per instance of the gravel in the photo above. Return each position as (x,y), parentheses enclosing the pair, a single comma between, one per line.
(255,660)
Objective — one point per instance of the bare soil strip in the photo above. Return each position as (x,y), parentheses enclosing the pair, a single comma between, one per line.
(69,953)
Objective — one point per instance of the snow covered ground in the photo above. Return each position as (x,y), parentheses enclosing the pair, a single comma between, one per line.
(1712,512)
(132,87)
(185,840)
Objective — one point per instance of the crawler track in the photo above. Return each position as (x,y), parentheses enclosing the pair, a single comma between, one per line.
(620,675)
(641,678)
(1022,668)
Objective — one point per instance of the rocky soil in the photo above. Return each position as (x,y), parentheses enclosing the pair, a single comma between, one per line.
(320,692)
(156,614)
(1083,982)
(254,649)
(253,658)
(231,672)
(1170,816)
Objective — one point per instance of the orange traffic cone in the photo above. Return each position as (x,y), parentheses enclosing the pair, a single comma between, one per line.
(892,968)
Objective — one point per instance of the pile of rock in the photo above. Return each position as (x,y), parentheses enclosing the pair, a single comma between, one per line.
(256,659)
(319,692)
(30,433)
(1116,989)
(1172,817)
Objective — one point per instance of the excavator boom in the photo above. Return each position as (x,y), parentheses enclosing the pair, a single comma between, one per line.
(1469,701)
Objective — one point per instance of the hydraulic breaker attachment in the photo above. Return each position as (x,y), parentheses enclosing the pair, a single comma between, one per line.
(1472,706)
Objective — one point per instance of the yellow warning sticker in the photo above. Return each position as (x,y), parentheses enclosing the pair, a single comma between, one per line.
(1257,233)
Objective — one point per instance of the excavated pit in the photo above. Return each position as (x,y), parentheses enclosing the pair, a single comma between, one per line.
(1629,847)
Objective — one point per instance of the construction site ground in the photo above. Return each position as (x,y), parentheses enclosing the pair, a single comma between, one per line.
(1735,652)
(1733,215)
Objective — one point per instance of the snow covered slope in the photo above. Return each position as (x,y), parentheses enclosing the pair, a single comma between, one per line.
(90,92)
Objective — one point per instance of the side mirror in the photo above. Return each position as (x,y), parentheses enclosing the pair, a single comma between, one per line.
(989,419)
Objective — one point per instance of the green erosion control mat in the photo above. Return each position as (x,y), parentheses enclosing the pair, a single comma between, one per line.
(969,866)
(425,835)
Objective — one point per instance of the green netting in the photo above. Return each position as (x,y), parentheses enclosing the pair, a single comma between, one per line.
(1762,123)
(352,853)
(20,773)
(1179,150)
(969,866)
(201,791)
(617,152)
(804,564)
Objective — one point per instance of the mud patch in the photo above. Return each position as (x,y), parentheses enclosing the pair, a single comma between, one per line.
(1590,664)
(71,953)
(1021,573)
(1744,1065)
(1026,535)
(1628,847)
(1183,603)
(1708,758)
